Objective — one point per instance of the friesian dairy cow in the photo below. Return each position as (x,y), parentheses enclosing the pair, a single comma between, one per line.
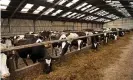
(59,47)
(95,40)
(36,53)
(104,37)
(45,34)
(4,70)
(113,34)
(121,32)
(78,42)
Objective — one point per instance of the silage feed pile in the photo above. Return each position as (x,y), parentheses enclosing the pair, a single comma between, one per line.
(87,64)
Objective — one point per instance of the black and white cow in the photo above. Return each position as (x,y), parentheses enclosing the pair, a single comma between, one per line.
(45,34)
(104,37)
(77,42)
(4,70)
(121,32)
(113,33)
(66,45)
(37,53)
(59,47)
(95,40)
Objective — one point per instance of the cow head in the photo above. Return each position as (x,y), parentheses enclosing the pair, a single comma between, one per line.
(3,40)
(7,41)
(39,39)
(63,36)
(88,33)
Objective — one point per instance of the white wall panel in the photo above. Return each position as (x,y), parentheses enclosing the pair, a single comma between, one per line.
(21,26)
(84,26)
(4,26)
(89,25)
(120,23)
(79,26)
(21,22)
(69,25)
(57,25)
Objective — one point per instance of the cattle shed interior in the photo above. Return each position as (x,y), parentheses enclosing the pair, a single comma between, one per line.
(21,16)
(96,30)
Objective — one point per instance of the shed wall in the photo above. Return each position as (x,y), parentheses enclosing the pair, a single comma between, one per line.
(126,23)
(21,26)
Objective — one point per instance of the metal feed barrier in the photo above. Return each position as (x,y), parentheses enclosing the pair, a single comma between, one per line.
(30,72)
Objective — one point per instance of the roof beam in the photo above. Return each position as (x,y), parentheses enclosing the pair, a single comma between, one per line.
(71,9)
(21,3)
(87,14)
(110,9)
(126,6)
(51,7)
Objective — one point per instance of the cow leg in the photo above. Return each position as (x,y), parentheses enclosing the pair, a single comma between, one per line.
(99,39)
(16,60)
(25,61)
(115,37)
(55,50)
(87,43)
(122,33)
(69,48)
(64,50)
(64,47)
(95,45)
(107,39)
(79,44)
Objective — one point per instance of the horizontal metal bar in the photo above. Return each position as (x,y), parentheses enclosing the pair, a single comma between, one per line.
(44,43)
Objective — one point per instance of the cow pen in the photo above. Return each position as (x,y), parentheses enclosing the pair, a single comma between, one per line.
(66,39)
(36,69)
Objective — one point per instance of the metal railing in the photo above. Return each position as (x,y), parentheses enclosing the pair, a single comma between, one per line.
(46,43)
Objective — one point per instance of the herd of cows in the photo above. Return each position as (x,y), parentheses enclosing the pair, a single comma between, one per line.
(40,53)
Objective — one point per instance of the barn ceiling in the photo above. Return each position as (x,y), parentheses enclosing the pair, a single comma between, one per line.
(100,11)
